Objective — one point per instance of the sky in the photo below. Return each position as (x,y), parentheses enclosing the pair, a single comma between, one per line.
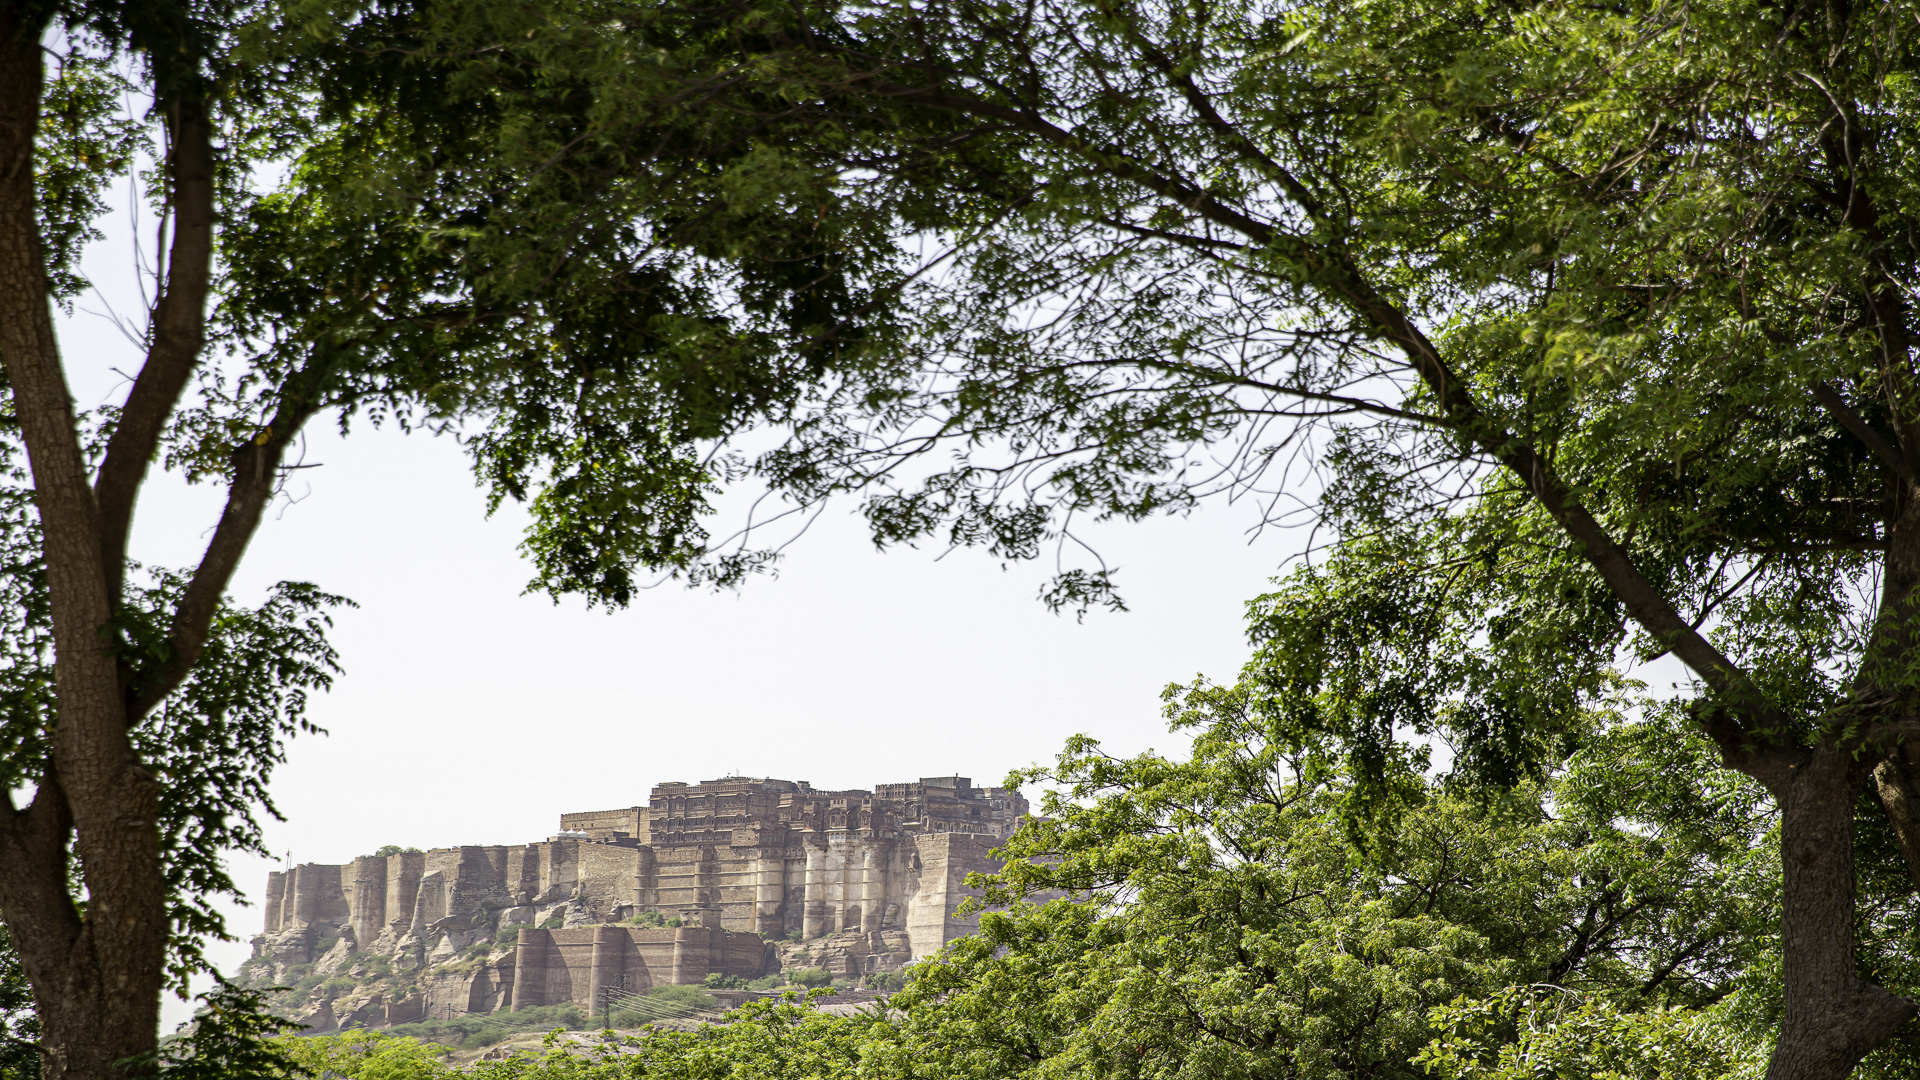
(471,712)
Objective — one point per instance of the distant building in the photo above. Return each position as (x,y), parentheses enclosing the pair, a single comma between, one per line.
(738,864)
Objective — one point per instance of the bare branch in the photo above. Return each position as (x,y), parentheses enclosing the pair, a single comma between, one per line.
(257,470)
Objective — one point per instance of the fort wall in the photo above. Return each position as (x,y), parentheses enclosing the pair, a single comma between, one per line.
(583,964)
(732,865)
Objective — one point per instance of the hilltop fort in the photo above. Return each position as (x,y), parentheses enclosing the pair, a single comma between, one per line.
(737,877)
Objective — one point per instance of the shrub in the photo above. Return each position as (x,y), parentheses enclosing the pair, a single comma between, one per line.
(810,977)
(693,998)
(395,849)
(770,982)
(506,937)
(717,981)
(647,918)
(885,980)
(554,923)
(794,935)
(360,1054)
(769,1041)
(474,1031)
(480,1040)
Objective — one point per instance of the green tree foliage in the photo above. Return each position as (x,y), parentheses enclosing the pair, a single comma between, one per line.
(215,739)
(141,710)
(1585,333)
(1223,916)
(1222,919)
(766,1040)
(810,977)
(19,1029)
(1515,1035)
(233,1035)
(368,1054)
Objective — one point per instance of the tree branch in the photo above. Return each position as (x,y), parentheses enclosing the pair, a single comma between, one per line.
(1831,400)
(1334,270)
(178,335)
(256,476)
(33,891)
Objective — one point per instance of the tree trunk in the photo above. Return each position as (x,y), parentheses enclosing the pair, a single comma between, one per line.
(1894,782)
(96,978)
(1833,1017)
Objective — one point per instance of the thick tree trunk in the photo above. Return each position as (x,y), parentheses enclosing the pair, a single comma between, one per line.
(1833,1017)
(1894,782)
(96,979)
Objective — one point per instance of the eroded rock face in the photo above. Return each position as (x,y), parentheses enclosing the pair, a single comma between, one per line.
(340,956)
(852,955)
(370,1012)
(318,1019)
(575,912)
(290,946)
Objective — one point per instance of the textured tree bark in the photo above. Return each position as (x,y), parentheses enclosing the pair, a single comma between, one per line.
(96,980)
(1833,1017)
(1893,781)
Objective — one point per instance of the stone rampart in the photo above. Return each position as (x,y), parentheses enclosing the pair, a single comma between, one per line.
(876,877)
(583,964)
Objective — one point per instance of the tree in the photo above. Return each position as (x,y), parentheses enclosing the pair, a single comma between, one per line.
(19,1030)
(1596,322)
(1224,917)
(140,708)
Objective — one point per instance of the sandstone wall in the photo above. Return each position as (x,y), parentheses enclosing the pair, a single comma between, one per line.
(608,824)
(945,860)
(275,896)
(829,882)
(554,967)
(610,876)
(403,888)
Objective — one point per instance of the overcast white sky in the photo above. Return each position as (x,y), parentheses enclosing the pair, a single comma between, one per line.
(472,714)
